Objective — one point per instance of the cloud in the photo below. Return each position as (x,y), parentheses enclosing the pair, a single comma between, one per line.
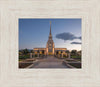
(67,36)
(76,43)
(79,38)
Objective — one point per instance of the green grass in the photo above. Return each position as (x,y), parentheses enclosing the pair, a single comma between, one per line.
(24,57)
(75,56)
(77,65)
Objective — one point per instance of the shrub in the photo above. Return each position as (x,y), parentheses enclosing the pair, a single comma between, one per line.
(65,56)
(35,55)
(24,56)
(75,56)
(77,65)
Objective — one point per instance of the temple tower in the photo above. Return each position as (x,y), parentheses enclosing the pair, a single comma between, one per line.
(50,44)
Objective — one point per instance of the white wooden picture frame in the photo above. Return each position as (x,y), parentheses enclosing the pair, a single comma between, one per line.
(12,76)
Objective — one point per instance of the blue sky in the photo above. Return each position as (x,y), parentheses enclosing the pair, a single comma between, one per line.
(34,32)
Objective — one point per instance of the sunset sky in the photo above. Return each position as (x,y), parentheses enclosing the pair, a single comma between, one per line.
(34,33)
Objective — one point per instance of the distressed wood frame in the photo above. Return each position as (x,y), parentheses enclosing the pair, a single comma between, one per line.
(12,10)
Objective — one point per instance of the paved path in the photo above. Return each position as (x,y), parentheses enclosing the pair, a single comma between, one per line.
(50,62)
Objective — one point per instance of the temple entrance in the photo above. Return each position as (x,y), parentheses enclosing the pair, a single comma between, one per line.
(49,53)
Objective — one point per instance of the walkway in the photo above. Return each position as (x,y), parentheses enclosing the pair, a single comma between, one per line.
(50,62)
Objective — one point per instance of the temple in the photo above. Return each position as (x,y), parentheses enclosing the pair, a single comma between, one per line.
(50,47)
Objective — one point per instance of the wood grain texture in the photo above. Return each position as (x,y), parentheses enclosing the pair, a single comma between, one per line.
(12,10)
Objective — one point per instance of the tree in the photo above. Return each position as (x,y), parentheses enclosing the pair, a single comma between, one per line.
(43,52)
(79,53)
(25,51)
(20,53)
(74,52)
(61,54)
(67,51)
(38,53)
(31,51)
(56,53)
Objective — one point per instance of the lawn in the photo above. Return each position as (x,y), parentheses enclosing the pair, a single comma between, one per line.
(75,56)
(77,65)
(24,57)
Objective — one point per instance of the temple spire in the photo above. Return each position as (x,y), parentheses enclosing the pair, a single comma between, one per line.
(50,27)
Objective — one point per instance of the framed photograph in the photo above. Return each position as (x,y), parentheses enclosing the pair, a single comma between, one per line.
(49,43)
(61,50)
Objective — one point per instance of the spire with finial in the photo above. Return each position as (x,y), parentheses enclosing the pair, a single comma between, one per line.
(50,35)
(50,27)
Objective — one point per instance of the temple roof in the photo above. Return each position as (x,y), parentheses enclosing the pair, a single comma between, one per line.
(60,48)
(39,49)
